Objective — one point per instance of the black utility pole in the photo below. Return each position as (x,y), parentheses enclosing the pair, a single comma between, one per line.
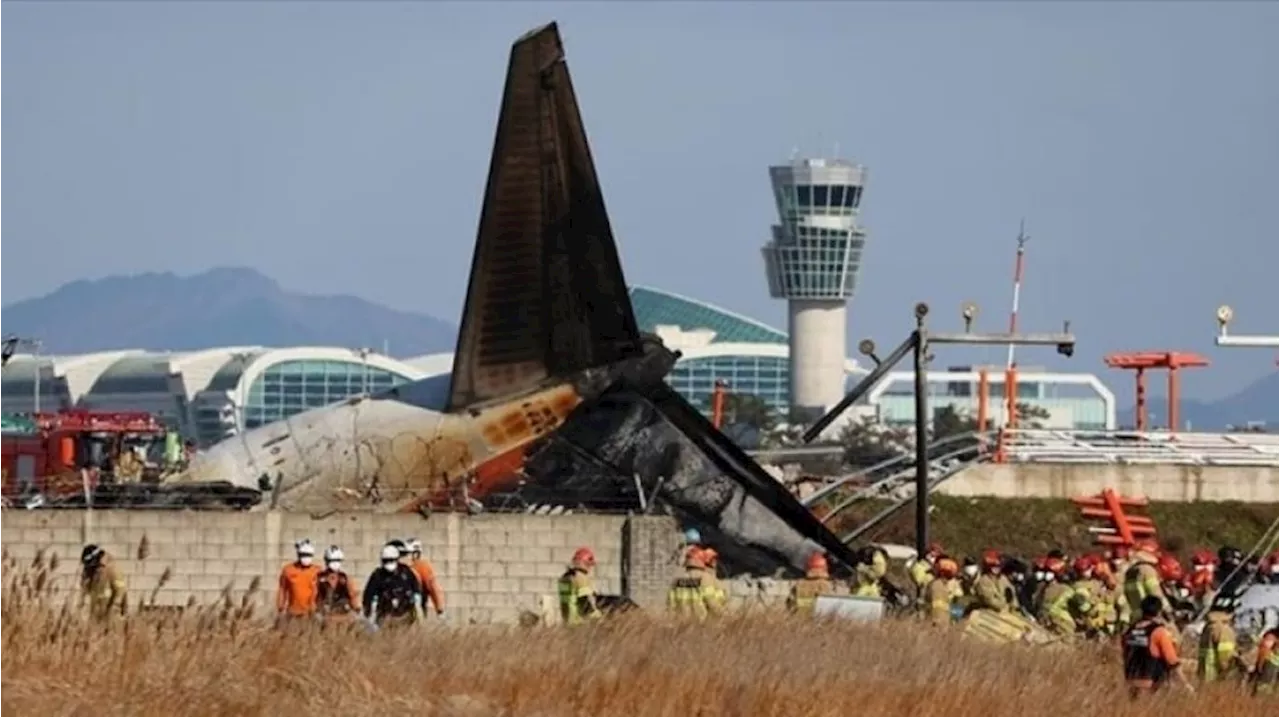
(918,344)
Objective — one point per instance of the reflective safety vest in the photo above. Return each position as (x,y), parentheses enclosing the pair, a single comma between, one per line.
(1141,668)
(695,595)
(1217,648)
(1140,580)
(805,593)
(576,592)
(1056,608)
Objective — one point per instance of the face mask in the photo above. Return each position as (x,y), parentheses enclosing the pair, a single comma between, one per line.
(304,560)
(334,565)
(970,570)
(390,565)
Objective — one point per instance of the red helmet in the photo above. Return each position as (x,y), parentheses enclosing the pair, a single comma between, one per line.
(991,559)
(1147,545)
(1203,559)
(584,557)
(817,563)
(1084,564)
(1057,566)
(1119,552)
(1169,568)
(695,557)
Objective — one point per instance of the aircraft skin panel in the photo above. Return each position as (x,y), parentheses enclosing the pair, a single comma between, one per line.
(546,296)
(378,451)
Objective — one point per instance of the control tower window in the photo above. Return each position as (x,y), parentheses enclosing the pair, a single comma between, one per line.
(804,195)
(820,195)
(837,196)
(857,196)
(850,194)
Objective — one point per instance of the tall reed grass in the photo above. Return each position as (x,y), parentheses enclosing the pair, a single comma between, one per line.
(221,660)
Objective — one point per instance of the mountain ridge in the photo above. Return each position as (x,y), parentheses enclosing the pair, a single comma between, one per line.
(224,306)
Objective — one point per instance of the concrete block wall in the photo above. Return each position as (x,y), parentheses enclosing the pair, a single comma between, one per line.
(491,566)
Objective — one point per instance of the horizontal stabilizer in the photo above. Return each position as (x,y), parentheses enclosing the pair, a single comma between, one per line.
(546,297)
(736,464)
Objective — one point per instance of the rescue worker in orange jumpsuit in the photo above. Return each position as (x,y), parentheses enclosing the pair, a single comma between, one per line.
(1149,650)
(427,576)
(296,596)
(336,594)
(816,582)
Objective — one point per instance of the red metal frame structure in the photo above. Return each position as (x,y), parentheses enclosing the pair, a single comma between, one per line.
(717,404)
(1125,529)
(1140,362)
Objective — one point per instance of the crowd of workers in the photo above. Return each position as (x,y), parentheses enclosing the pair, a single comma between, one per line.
(1140,596)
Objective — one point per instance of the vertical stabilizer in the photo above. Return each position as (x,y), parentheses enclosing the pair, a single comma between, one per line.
(546,297)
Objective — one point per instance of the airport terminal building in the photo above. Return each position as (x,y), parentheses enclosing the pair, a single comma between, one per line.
(212,394)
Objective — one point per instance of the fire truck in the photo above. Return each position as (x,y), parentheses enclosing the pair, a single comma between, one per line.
(55,455)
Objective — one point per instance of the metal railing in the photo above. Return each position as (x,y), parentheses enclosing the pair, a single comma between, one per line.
(1224,449)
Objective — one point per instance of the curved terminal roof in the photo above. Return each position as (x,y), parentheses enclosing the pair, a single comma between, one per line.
(654,308)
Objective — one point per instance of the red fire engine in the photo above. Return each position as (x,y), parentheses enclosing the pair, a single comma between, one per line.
(64,451)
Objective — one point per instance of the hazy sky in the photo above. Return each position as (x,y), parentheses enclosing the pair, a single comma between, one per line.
(341,148)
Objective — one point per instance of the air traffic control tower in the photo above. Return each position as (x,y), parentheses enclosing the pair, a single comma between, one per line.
(812,262)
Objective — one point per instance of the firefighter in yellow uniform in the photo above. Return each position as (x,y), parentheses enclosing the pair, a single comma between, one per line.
(697,593)
(577,589)
(101,583)
(817,582)
(922,570)
(868,572)
(992,590)
(1090,593)
(1217,654)
(1056,605)
(942,591)
(1142,579)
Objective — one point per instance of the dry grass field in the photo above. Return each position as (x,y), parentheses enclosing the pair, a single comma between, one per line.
(219,661)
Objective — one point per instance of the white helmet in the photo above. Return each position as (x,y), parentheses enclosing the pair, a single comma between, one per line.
(306,551)
(414,545)
(333,554)
(390,553)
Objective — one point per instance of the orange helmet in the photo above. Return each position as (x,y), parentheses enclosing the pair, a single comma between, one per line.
(1057,566)
(1169,568)
(816,564)
(991,559)
(946,567)
(695,557)
(1084,565)
(1203,559)
(584,557)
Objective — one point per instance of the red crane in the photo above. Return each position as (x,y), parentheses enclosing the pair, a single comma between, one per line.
(1140,361)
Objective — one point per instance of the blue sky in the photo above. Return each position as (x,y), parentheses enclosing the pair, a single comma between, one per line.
(341,148)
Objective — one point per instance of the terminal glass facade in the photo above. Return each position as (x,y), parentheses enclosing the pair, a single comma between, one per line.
(291,387)
(762,376)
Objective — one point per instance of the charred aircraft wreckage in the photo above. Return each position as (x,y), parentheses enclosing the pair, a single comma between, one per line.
(555,396)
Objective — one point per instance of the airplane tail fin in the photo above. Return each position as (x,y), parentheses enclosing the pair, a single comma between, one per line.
(546,297)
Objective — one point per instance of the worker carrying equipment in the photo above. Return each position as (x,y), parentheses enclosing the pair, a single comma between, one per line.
(816,582)
(577,589)
(1150,653)
(296,592)
(335,592)
(393,595)
(426,574)
(697,593)
(101,583)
